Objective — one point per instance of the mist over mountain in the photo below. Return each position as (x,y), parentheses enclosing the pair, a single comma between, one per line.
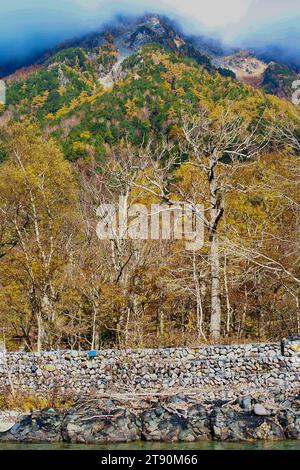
(28,28)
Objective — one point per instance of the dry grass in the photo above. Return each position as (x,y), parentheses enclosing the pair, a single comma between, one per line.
(31,402)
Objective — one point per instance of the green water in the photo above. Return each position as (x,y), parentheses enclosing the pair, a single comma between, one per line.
(211,445)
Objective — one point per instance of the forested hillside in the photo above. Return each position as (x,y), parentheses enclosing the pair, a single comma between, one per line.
(154,126)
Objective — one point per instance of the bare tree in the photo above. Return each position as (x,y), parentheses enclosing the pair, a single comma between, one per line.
(212,145)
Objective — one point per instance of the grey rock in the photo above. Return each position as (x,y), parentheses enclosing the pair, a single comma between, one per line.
(260,410)
(178,398)
(40,426)
(99,425)
(6,426)
(246,403)
(232,426)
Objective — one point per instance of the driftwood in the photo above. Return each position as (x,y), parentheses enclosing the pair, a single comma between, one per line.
(97,417)
(137,402)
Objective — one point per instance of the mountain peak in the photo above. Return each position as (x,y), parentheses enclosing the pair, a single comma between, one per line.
(128,35)
(153,19)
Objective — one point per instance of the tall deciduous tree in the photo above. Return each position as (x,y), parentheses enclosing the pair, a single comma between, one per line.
(38,194)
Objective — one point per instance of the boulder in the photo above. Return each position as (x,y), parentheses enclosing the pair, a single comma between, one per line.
(246,403)
(39,426)
(5,426)
(101,425)
(172,425)
(229,425)
(260,410)
(290,421)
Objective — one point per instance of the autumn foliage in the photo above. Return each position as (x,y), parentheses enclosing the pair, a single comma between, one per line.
(167,131)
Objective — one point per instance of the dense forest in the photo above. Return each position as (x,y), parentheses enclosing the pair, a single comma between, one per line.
(166,130)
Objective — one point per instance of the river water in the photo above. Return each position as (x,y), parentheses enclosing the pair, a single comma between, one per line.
(211,445)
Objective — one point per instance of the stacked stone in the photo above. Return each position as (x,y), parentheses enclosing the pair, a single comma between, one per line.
(251,365)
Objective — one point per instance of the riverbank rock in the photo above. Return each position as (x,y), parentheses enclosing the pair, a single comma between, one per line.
(5,426)
(99,425)
(230,425)
(246,403)
(289,417)
(260,410)
(172,425)
(162,418)
(39,426)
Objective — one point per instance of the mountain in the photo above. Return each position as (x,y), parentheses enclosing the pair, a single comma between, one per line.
(130,35)
(278,79)
(133,81)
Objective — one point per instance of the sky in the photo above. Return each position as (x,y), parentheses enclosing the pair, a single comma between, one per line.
(28,27)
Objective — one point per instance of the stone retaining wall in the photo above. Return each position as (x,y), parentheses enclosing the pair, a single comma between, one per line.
(253,365)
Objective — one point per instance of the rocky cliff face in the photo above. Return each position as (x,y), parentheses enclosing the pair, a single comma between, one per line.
(244,65)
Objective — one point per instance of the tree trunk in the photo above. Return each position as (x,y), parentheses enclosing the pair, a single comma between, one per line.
(40,332)
(298,315)
(94,321)
(228,321)
(199,308)
(215,321)
(161,323)
(128,318)
(47,314)
(216,213)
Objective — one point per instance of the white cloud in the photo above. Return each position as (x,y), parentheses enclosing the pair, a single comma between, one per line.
(39,24)
(212,13)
